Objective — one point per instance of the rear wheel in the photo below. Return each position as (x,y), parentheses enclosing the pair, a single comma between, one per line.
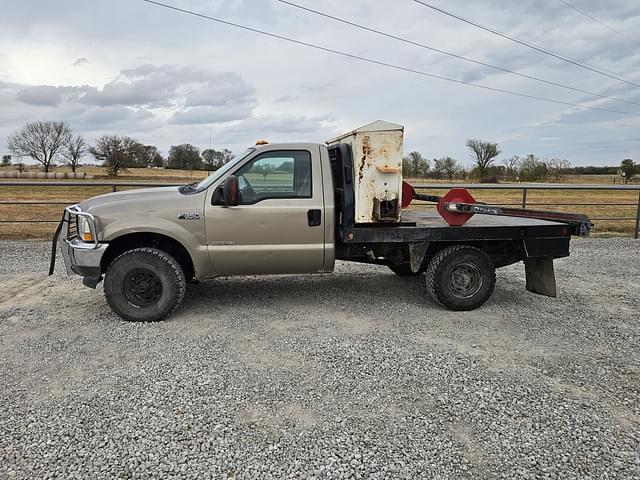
(461,277)
(144,285)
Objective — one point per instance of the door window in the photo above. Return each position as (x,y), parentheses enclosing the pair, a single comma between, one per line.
(276,174)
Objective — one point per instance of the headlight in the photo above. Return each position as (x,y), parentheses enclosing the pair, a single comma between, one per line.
(84,232)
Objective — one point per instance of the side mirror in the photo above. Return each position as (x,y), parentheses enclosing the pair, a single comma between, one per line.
(231,191)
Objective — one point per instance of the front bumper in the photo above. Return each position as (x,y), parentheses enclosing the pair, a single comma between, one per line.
(80,257)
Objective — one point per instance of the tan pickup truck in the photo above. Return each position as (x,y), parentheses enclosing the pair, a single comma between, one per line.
(294,208)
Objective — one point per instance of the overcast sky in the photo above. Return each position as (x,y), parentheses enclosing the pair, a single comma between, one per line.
(163,77)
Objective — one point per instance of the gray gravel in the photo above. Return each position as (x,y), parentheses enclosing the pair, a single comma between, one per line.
(352,375)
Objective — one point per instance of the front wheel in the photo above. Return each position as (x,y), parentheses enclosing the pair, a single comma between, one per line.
(461,277)
(144,285)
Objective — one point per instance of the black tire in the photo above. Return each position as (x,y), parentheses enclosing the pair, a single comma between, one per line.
(461,277)
(144,285)
(404,270)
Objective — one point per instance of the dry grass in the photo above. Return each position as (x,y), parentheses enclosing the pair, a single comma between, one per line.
(130,174)
(548,200)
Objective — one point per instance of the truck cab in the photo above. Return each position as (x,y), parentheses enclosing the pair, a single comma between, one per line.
(281,220)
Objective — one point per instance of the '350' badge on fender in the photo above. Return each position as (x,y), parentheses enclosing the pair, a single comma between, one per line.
(189,216)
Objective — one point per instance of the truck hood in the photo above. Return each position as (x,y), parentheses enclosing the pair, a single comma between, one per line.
(139,200)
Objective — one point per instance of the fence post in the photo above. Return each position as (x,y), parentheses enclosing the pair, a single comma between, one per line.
(524,198)
(113,187)
(637,231)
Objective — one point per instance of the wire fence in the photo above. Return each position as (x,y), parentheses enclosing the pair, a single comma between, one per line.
(525,201)
(524,197)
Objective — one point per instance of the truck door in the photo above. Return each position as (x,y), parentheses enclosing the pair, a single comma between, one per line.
(278,227)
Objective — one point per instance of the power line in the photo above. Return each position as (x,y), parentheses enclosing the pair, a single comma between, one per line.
(529,45)
(591,17)
(459,57)
(384,64)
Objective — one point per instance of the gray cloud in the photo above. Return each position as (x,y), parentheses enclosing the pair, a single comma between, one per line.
(286,98)
(170,85)
(149,86)
(142,99)
(113,114)
(210,114)
(279,128)
(139,99)
(291,125)
(80,61)
(45,95)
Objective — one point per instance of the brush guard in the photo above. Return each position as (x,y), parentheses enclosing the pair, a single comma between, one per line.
(67,232)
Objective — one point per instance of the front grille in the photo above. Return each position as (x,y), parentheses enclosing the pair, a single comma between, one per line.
(72,231)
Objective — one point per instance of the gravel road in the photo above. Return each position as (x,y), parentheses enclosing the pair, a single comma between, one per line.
(352,375)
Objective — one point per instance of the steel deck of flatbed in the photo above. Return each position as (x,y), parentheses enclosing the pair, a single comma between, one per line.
(429,226)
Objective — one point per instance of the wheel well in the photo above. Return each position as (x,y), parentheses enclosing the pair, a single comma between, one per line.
(153,240)
(502,252)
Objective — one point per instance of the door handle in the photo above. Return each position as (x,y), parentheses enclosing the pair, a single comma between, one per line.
(314,217)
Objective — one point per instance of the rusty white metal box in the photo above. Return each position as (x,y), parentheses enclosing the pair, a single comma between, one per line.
(377,161)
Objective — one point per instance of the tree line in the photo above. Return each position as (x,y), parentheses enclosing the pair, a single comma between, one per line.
(528,168)
(49,143)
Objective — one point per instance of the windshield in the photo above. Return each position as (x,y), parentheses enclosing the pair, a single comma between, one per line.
(204,184)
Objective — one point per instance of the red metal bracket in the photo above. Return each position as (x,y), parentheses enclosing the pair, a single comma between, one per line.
(455,195)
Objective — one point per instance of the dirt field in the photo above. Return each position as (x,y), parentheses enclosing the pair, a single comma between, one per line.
(356,374)
(549,200)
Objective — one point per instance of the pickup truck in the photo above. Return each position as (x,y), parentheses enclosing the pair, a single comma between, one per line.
(292,208)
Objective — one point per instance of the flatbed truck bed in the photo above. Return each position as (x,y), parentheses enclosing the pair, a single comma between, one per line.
(429,226)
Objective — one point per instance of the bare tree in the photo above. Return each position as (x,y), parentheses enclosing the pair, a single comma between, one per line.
(557,167)
(511,167)
(42,141)
(214,159)
(227,155)
(532,169)
(73,151)
(446,167)
(116,153)
(484,153)
(416,165)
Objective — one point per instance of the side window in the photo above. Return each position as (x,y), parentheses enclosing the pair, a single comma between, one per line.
(277,174)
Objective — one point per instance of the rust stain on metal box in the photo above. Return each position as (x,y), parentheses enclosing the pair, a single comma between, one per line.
(377,150)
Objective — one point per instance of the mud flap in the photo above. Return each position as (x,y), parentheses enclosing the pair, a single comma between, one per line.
(91,282)
(417,251)
(541,278)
